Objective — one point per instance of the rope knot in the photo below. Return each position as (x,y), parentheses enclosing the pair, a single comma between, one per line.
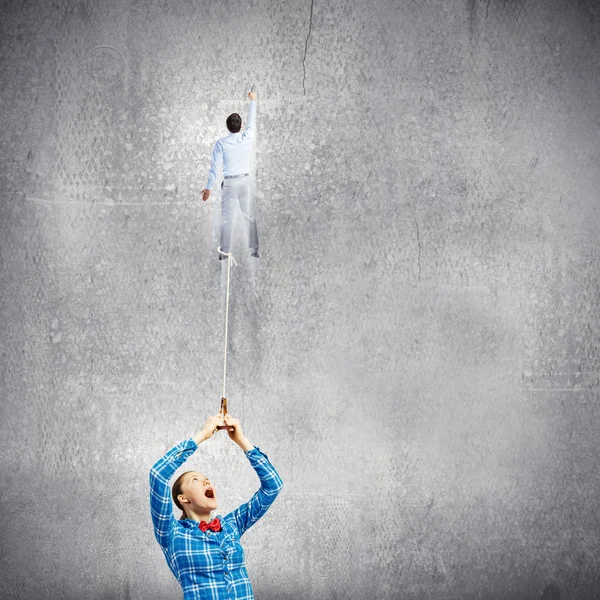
(228,254)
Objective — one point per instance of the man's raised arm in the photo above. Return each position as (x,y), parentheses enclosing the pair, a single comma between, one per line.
(251,127)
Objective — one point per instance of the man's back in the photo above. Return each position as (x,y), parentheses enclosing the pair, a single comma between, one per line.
(233,151)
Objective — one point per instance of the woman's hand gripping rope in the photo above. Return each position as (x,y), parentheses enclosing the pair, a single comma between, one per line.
(234,427)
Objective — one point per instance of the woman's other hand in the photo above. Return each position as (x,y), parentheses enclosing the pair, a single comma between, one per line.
(210,426)
(237,435)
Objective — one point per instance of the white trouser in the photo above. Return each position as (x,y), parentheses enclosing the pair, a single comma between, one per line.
(232,191)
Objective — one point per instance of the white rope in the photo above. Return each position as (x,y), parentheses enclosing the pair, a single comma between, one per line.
(229,256)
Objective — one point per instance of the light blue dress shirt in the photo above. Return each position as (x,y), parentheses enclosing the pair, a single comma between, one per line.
(209,565)
(233,151)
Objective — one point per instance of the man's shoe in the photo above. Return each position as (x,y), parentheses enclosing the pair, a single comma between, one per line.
(255,255)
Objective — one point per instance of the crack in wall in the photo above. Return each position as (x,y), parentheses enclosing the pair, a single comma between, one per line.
(306,45)
(418,241)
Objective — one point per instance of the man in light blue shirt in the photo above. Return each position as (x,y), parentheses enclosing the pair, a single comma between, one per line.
(233,153)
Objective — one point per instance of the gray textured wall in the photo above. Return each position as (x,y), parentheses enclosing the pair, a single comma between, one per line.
(417,349)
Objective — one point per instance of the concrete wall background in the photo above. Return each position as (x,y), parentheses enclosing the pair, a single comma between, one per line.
(417,349)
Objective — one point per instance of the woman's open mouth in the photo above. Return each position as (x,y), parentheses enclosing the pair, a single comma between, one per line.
(209,493)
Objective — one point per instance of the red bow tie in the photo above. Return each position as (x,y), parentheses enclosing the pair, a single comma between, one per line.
(215,525)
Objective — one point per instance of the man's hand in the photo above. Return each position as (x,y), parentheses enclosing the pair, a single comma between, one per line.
(205,194)
(252,95)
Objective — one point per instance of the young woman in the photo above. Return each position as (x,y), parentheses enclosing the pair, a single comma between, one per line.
(205,555)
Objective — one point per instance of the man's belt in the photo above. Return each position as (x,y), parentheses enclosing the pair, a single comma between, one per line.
(235,176)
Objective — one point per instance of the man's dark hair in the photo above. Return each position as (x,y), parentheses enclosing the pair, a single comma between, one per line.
(234,122)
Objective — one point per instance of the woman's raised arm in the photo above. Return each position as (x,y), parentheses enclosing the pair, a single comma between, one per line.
(161,504)
(271,483)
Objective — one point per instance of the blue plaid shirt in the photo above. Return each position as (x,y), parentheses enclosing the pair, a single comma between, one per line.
(208,564)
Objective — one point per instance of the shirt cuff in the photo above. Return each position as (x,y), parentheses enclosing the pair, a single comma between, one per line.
(257,453)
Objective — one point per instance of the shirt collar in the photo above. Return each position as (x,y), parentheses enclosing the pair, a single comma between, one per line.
(191,523)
